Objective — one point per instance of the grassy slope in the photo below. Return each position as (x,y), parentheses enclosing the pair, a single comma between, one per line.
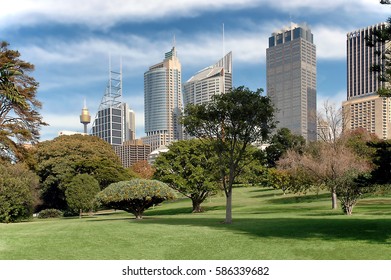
(266,225)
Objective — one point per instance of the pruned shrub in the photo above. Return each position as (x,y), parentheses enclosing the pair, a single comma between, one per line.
(135,196)
(50,213)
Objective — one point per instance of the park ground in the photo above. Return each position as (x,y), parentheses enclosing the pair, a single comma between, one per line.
(266,225)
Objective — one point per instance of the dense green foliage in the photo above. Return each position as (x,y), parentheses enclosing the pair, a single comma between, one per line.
(233,121)
(190,168)
(18,192)
(50,213)
(59,160)
(80,193)
(268,226)
(282,141)
(19,118)
(381,174)
(135,196)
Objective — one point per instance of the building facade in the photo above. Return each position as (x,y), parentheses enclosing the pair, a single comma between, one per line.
(163,101)
(291,79)
(363,107)
(132,151)
(215,79)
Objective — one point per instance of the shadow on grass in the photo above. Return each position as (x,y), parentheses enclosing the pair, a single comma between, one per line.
(297,199)
(341,228)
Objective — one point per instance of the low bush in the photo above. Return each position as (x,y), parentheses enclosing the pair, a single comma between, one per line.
(50,213)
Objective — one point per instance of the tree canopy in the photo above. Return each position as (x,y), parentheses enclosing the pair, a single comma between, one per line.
(57,161)
(20,120)
(135,196)
(232,121)
(190,168)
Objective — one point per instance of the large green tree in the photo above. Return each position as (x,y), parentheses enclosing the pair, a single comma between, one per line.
(20,120)
(232,121)
(190,168)
(57,161)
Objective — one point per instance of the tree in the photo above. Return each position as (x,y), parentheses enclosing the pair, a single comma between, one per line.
(189,168)
(326,165)
(282,141)
(135,196)
(232,121)
(18,192)
(59,160)
(20,121)
(142,169)
(380,40)
(80,193)
(381,174)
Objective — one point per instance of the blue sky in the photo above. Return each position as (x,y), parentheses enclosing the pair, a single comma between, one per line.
(69,42)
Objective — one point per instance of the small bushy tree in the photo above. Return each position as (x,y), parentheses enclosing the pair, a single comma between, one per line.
(189,168)
(135,196)
(18,192)
(81,192)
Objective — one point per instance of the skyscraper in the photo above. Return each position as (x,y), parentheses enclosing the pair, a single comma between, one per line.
(291,79)
(211,80)
(163,101)
(112,120)
(364,108)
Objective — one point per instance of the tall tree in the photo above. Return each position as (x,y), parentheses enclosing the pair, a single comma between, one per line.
(232,121)
(189,168)
(20,120)
(380,40)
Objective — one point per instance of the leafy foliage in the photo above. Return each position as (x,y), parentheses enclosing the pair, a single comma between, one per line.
(81,192)
(135,196)
(190,168)
(232,121)
(58,161)
(18,192)
(50,213)
(282,141)
(142,169)
(20,121)
(381,174)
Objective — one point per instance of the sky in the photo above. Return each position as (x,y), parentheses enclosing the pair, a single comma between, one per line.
(70,42)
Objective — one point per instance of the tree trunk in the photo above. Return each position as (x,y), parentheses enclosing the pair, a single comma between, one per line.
(348,209)
(228,207)
(138,216)
(196,206)
(80,214)
(333,199)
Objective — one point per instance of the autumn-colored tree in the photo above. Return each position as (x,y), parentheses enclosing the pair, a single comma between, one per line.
(59,160)
(142,169)
(135,196)
(20,120)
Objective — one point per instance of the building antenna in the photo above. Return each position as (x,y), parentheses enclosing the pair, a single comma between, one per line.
(223,61)
(174,41)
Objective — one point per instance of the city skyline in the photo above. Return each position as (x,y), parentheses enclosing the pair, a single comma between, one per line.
(70,48)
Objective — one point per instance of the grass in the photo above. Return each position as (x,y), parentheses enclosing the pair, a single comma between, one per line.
(267,225)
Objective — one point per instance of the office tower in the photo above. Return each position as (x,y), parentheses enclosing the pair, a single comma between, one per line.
(291,79)
(129,120)
(215,79)
(111,121)
(163,101)
(364,108)
(132,151)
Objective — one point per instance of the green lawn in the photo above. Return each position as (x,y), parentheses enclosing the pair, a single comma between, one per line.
(267,225)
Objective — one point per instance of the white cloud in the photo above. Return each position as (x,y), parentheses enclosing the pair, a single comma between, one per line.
(335,99)
(330,41)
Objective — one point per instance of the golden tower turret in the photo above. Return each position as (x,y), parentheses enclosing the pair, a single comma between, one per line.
(85,117)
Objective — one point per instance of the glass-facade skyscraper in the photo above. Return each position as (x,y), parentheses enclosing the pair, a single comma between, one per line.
(163,101)
(291,79)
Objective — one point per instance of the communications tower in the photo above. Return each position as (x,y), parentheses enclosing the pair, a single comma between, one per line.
(85,117)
